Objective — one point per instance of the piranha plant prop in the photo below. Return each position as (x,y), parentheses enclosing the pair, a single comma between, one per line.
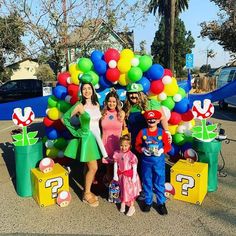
(205,132)
(205,144)
(28,150)
(24,138)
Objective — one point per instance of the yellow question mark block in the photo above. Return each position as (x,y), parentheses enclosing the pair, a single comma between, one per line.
(46,186)
(189,181)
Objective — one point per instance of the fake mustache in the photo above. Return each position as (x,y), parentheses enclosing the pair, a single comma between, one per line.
(152,121)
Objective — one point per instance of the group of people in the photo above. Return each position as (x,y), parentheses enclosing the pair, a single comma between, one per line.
(127,139)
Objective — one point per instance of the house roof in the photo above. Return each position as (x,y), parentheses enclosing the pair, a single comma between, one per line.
(91,29)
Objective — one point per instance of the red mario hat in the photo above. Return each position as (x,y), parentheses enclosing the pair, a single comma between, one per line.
(152,114)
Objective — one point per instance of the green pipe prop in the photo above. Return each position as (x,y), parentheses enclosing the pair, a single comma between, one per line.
(208,152)
(26,158)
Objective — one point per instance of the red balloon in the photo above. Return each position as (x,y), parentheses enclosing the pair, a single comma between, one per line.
(48,122)
(58,125)
(62,78)
(73,100)
(187,116)
(113,74)
(175,118)
(156,86)
(168,72)
(73,90)
(111,54)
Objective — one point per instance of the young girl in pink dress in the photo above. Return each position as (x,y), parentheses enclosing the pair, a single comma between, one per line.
(125,172)
(112,123)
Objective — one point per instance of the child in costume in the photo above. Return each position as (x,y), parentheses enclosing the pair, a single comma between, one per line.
(152,143)
(112,124)
(125,172)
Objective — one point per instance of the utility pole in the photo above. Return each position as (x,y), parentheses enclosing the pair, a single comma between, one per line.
(65,33)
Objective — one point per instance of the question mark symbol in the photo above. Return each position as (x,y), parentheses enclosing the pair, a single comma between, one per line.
(59,182)
(185,186)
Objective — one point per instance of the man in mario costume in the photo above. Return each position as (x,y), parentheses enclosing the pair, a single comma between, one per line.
(152,143)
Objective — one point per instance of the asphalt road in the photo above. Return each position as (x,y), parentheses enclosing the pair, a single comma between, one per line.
(22,216)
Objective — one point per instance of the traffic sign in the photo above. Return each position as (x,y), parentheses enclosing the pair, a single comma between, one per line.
(189,61)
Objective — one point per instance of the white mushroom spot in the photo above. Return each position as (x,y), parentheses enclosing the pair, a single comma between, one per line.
(46,161)
(64,195)
(168,186)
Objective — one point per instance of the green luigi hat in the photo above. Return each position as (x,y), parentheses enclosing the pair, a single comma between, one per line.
(134,88)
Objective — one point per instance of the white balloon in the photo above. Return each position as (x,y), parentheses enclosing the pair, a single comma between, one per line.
(181,129)
(162,96)
(135,61)
(49,143)
(166,79)
(112,64)
(177,97)
(47,110)
(97,86)
(68,98)
(166,111)
(68,80)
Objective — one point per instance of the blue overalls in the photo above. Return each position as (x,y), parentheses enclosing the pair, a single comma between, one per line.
(153,169)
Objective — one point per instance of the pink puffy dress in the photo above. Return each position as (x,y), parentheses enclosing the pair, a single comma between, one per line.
(128,190)
(111,132)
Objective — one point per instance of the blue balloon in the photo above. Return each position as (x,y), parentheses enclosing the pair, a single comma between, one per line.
(182,106)
(186,146)
(66,134)
(104,83)
(145,83)
(100,67)
(52,133)
(60,92)
(174,150)
(155,72)
(96,55)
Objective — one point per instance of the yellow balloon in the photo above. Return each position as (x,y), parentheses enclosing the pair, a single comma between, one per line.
(127,54)
(123,65)
(174,80)
(75,77)
(52,152)
(53,113)
(172,129)
(153,96)
(123,80)
(171,89)
(72,68)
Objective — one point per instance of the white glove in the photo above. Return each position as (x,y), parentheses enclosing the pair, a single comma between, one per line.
(146,152)
(115,176)
(169,136)
(160,151)
(134,178)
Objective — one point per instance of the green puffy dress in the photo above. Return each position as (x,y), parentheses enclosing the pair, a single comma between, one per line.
(83,146)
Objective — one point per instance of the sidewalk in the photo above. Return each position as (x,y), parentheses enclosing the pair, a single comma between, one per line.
(22,216)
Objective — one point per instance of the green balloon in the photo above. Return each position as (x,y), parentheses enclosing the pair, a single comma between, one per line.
(182,92)
(179,139)
(63,106)
(60,143)
(52,101)
(135,74)
(169,103)
(85,64)
(86,78)
(95,77)
(145,62)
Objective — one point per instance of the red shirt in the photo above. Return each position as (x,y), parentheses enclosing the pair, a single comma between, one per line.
(139,140)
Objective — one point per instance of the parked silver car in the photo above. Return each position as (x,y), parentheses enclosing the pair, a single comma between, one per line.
(227,75)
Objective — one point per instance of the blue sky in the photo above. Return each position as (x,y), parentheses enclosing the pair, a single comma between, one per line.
(198,11)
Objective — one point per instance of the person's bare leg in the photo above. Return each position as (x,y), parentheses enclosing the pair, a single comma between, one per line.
(131,209)
(122,207)
(90,175)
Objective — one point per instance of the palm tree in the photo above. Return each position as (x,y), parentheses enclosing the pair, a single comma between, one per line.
(170,9)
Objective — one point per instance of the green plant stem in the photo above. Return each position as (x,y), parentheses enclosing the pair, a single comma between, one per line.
(204,129)
(25,136)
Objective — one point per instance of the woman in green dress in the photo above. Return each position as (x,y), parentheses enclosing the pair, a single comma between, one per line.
(86,145)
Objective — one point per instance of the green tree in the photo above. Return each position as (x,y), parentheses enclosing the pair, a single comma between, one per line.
(205,68)
(11,46)
(45,73)
(169,9)
(222,30)
(183,44)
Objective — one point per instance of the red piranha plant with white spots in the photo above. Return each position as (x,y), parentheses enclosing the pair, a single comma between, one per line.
(205,132)
(23,121)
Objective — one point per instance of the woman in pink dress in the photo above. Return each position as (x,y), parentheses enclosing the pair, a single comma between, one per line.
(112,123)
(125,172)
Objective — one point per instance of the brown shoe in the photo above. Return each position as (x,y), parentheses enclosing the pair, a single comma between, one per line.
(90,199)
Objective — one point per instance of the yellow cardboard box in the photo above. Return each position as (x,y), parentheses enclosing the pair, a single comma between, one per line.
(189,181)
(46,186)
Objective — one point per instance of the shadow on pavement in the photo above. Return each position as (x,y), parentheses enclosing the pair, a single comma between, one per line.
(228,114)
